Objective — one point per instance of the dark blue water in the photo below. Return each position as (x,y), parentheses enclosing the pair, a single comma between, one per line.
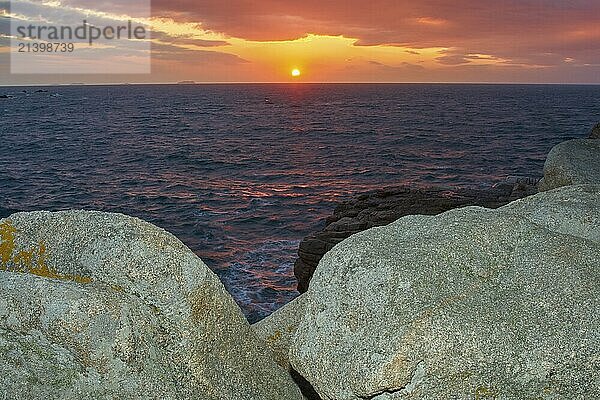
(240,173)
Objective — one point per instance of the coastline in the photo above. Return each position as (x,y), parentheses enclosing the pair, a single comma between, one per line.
(383,206)
(395,290)
(380,207)
(428,306)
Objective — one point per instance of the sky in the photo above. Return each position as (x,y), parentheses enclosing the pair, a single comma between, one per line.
(543,41)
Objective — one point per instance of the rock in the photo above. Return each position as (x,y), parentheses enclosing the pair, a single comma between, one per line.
(74,341)
(472,303)
(384,206)
(97,305)
(572,212)
(595,133)
(574,162)
(277,329)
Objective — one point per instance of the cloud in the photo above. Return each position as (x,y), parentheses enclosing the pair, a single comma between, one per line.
(133,8)
(453,59)
(186,40)
(506,29)
(4,26)
(178,54)
(387,40)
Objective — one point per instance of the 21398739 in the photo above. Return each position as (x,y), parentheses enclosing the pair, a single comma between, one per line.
(45,47)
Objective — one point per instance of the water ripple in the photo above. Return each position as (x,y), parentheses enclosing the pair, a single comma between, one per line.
(241,181)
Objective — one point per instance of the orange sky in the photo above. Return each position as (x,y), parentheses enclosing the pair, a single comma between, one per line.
(362,41)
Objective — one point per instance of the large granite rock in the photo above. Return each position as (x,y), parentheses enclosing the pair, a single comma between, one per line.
(470,304)
(595,133)
(574,162)
(69,341)
(96,305)
(382,207)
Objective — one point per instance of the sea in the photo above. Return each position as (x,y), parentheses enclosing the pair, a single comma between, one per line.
(242,172)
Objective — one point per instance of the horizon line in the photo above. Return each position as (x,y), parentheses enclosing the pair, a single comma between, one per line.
(194,83)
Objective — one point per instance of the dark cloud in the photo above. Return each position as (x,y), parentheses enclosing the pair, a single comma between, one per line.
(453,59)
(4,26)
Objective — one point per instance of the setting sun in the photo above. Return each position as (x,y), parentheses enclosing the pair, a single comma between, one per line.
(295,72)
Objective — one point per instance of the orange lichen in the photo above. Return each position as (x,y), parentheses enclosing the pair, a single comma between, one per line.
(32,261)
(274,337)
(7,242)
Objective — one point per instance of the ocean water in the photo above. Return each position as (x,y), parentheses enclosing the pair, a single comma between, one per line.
(241,173)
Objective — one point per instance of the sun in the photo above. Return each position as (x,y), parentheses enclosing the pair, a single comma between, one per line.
(295,72)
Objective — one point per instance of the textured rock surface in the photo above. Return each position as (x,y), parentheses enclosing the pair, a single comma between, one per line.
(574,211)
(574,162)
(473,303)
(73,341)
(96,305)
(595,133)
(278,329)
(385,206)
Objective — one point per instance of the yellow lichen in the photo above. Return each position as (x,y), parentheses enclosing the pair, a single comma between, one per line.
(24,258)
(483,392)
(117,288)
(32,261)
(7,242)
(274,337)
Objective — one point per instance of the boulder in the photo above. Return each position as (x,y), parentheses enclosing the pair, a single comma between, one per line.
(70,341)
(97,305)
(574,211)
(472,303)
(574,162)
(595,133)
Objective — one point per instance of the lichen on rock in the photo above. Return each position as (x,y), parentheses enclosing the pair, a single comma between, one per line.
(97,305)
(31,261)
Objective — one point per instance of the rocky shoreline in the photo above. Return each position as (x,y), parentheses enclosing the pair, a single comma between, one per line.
(384,206)
(499,302)
(470,303)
